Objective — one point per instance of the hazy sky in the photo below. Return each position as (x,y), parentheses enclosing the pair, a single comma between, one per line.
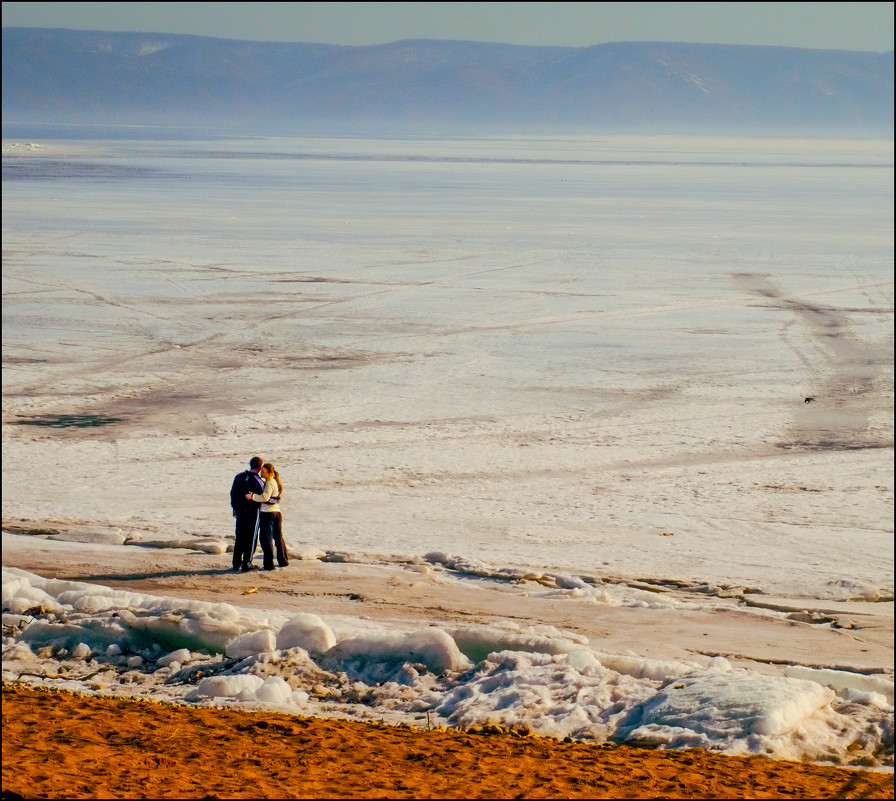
(845,26)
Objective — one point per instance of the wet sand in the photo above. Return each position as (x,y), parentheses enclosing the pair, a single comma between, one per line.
(59,745)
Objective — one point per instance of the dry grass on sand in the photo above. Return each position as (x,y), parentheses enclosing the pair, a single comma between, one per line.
(59,745)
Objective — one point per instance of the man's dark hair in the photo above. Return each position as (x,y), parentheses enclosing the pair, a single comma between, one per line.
(255,462)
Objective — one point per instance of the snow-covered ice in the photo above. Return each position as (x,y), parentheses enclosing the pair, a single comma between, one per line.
(588,435)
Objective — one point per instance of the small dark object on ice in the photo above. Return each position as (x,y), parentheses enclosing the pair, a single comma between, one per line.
(808,400)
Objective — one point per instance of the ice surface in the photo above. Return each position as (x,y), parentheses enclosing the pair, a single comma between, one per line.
(591,400)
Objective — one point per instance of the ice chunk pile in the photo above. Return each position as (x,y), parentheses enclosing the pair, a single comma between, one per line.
(70,613)
(244,687)
(552,682)
(561,695)
(306,631)
(433,648)
(730,709)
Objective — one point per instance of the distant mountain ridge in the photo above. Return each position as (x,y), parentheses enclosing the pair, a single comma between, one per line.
(441,87)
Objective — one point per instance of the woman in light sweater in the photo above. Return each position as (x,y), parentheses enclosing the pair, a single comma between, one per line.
(270,523)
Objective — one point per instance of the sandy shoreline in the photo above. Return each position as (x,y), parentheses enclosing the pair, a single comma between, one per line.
(59,745)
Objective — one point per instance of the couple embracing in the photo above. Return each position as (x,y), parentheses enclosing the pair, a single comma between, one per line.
(254,498)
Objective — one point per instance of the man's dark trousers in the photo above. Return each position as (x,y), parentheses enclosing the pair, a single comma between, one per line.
(246,538)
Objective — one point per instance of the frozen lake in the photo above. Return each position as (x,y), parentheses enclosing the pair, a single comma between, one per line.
(618,361)
(544,352)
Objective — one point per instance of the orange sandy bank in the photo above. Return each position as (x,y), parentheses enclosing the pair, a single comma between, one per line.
(58,745)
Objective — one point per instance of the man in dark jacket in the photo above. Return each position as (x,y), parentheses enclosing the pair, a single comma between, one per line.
(246,513)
